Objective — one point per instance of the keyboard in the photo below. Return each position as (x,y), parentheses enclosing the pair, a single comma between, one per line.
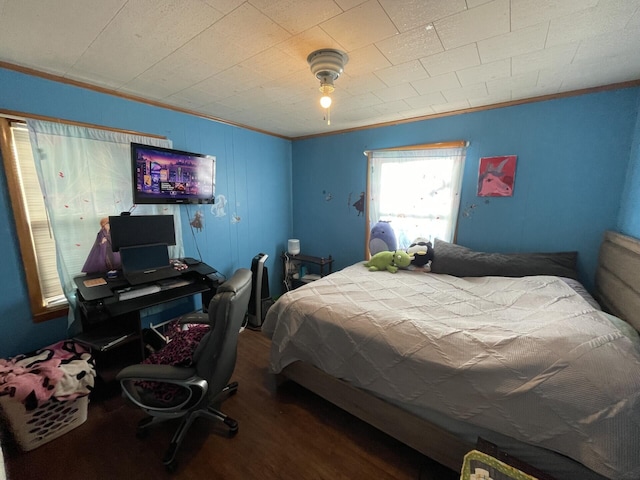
(142,277)
(174,283)
(138,292)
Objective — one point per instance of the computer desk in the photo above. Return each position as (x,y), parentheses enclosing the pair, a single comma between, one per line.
(111,327)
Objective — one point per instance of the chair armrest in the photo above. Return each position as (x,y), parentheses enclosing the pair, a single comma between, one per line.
(160,373)
(186,378)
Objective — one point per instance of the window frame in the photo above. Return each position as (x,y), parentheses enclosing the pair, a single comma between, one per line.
(429,146)
(39,310)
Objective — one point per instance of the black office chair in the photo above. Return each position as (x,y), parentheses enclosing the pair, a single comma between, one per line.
(202,387)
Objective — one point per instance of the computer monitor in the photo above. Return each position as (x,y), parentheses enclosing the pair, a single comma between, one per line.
(134,230)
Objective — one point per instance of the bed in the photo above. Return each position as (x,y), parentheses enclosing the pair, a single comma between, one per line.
(437,360)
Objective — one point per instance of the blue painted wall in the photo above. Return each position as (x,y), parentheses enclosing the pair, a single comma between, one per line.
(253,173)
(573,156)
(629,220)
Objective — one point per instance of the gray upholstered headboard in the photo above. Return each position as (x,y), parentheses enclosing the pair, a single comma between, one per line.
(618,277)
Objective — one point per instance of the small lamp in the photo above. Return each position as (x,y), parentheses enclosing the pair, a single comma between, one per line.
(293,247)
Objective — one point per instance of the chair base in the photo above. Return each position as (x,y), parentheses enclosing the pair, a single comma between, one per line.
(211,413)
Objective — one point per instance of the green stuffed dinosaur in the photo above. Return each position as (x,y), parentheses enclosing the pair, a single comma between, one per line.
(389,261)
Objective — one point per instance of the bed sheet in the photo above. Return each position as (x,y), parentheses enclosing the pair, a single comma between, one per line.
(526,357)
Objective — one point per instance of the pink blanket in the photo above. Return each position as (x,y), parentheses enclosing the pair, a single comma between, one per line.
(64,370)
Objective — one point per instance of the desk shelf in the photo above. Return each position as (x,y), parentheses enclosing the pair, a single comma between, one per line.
(105,339)
(115,341)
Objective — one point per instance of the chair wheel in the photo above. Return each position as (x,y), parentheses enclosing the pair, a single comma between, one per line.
(232,388)
(172,466)
(231,423)
(233,432)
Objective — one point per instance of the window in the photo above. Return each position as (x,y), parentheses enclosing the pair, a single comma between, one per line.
(417,190)
(78,195)
(37,244)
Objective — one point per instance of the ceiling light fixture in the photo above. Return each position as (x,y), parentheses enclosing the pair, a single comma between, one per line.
(327,65)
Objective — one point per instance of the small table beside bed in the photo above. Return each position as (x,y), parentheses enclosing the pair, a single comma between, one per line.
(506,347)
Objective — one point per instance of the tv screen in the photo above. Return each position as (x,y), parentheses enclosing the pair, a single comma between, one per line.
(164,175)
(136,230)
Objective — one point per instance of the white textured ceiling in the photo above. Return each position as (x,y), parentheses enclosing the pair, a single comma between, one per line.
(245,61)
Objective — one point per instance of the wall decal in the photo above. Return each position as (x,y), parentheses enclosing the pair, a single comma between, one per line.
(359,205)
(218,207)
(468,211)
(197,221)
(496,176)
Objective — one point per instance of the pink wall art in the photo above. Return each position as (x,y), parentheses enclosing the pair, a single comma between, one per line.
(496,176)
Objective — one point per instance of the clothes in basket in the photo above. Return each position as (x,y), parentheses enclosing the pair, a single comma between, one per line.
(44,394)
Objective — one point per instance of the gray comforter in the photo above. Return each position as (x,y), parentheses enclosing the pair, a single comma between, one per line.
(526,357)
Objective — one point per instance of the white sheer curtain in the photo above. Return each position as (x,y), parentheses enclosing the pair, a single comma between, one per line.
(417,191)
(85,175)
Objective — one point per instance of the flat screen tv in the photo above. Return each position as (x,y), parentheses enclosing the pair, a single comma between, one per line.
(163,175)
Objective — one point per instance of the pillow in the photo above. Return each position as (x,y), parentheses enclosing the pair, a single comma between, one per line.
(460,261)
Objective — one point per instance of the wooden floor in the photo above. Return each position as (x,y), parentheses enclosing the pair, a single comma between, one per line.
(285,432)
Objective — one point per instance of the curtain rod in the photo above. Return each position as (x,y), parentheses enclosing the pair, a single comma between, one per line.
(423,146)
(21,116)
(12,117)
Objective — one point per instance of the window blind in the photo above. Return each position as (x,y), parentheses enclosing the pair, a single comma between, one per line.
(43,241)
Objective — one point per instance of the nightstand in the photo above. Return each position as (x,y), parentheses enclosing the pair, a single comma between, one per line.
(302,269)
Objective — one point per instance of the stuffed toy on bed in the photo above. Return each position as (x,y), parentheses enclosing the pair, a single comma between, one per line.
(389,261)
(422,251)
(382,238)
